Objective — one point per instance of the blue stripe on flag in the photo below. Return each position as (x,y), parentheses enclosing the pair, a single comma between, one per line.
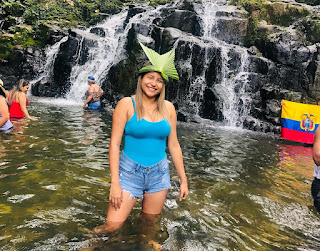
(295,125)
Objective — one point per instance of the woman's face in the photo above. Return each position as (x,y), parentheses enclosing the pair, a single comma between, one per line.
(25,89)
(152,84)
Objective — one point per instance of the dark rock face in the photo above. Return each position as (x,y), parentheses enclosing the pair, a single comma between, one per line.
(209,106)
(183,20)
(232,30)
(98,31)
(24,63)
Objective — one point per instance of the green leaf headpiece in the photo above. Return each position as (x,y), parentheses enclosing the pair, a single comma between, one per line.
(164,64)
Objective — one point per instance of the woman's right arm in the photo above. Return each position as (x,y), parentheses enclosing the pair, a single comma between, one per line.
(89,97)
(119,120)
(23,105)
(4,111)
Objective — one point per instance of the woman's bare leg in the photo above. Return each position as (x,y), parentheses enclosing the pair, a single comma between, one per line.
(116,218)
(153,202)
(151,209)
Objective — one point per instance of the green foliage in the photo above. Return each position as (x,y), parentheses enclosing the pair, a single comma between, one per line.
(249,5)
(283,15)
(311,28)
(6,47)
(15,8)
(24,38)
(252,33)
(41,14)
(274,13)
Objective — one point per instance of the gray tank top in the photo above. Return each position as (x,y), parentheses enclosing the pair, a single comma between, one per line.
(316,171)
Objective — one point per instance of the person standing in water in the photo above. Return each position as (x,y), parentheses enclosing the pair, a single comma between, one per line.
(141,170)
(18,100)
(5,123)
(315,187)
(93,94)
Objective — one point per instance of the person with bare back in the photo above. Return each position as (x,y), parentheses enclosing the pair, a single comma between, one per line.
(18,101)
(93,95)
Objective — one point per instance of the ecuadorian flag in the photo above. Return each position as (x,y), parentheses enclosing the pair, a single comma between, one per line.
(299,121)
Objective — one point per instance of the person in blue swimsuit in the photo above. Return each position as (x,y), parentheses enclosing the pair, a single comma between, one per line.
(141,170)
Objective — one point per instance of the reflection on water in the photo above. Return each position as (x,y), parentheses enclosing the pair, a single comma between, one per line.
(248,191)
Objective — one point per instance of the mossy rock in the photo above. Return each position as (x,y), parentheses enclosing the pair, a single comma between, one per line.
(122,76)
(277,13)
(6,46)
(273,13)
(282,14)
(310,27)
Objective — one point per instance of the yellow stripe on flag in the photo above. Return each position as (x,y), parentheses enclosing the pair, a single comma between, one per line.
(295,111)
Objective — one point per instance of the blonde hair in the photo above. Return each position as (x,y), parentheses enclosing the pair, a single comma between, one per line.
(160,99)
(18,88)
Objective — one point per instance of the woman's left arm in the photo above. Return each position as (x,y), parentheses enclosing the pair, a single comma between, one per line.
(176,153)
(23,105)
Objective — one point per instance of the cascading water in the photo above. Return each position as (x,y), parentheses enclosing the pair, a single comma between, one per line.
(198,83)
(232,89)
(108,50)
(233,84)
(51,54)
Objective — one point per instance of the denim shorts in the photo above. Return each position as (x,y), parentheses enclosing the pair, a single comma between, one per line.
(139,179)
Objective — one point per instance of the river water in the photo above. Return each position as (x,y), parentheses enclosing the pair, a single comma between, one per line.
(248,191)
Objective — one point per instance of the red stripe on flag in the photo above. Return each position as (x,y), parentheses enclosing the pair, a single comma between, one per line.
(303,137)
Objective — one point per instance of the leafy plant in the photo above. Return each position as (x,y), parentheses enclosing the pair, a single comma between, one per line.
(310,27)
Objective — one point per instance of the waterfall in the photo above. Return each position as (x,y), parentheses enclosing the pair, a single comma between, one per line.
(51,54)
(232,89)
(198,83)
(234,99)
(104,45)
(108,50)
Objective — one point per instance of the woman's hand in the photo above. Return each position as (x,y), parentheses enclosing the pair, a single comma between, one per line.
(184,191)
(116,196)
(32,118)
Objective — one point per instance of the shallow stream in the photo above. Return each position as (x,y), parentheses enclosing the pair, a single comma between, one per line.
(248,191)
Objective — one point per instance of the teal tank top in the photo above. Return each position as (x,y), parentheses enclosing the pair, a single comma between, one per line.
(145,141)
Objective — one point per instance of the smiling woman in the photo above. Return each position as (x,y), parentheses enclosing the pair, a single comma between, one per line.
(18,100)
(142,170)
